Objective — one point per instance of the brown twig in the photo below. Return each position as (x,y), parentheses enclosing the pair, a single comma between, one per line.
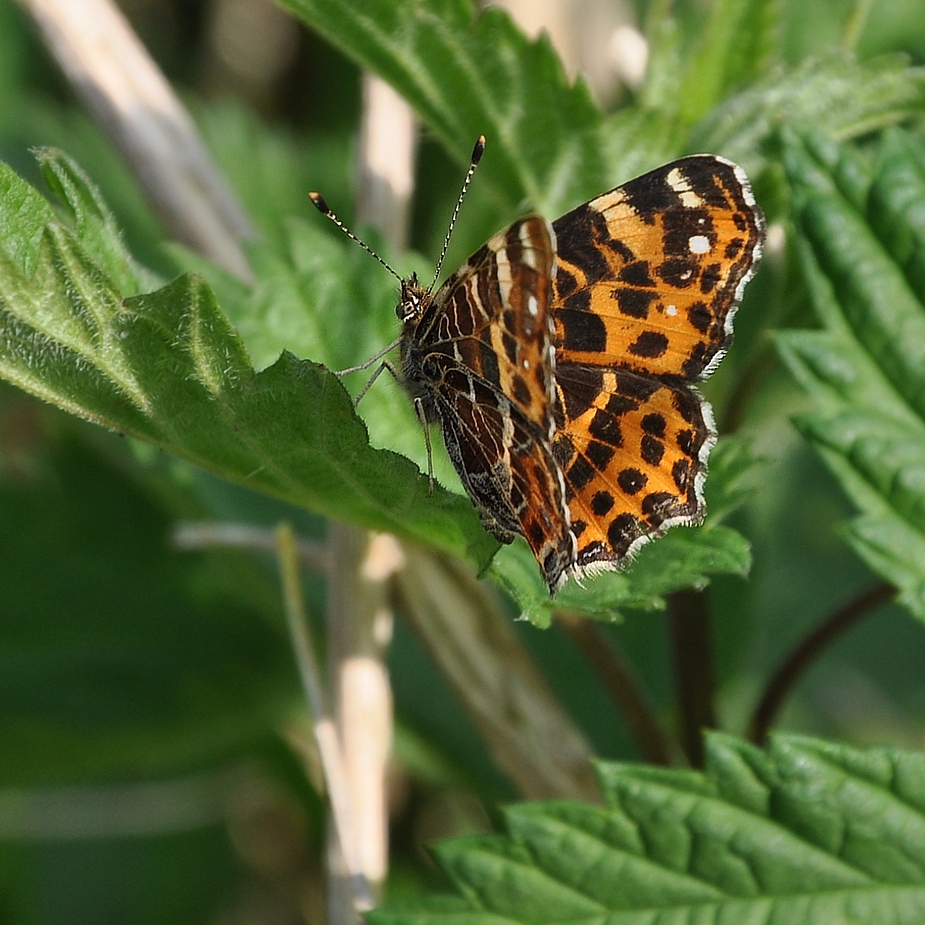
(793,667)
(529,735)
(692,656)
(621,683)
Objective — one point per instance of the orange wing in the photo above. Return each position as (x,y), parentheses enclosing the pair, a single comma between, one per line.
(648,279)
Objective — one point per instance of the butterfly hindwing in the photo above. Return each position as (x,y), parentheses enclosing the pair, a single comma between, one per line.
(634,455)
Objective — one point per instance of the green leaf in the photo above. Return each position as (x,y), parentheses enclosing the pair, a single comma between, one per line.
(23,217)
(836,96)
(739,44)
(93,223)
(860,245)
(119,658)
(806,831)
(168,368)
(736,473)
(468,74)
(683,558)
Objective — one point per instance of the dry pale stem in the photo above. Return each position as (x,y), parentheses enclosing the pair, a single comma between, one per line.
(122,87)
(359,616)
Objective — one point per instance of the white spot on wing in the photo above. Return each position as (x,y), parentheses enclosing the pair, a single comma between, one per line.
(678,181)
(528,255)
(671,310)
(699,244)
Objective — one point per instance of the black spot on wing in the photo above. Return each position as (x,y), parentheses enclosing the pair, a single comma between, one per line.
(652,450)
(699,316)
(637,273)
(688,405)
(734,248)
(632,481)
(566,283)
(677,272)
(649,344)
(710,277)
(618,405)
(580,473)
(602,503)
(654,424)
(606,428)
(632,386)
(599,454)
(634,302)
(583,331)
(521,391)
(621,533)
(577,234)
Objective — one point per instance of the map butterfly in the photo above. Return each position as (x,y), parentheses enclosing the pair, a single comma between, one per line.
(560,360)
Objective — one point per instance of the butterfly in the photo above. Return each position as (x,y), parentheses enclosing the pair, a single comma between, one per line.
(560,360)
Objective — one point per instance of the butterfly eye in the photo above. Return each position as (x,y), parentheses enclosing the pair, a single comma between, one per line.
(409,306)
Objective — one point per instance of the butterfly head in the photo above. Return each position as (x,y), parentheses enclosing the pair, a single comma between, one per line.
(413,302)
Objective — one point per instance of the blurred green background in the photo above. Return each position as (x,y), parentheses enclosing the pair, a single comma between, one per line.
(142,690)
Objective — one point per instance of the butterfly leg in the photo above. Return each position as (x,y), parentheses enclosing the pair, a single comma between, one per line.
(418,408)
(422,417)
(384,365)
(370,361)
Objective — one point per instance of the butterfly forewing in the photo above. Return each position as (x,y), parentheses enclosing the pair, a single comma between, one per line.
(481,358)
(650,273)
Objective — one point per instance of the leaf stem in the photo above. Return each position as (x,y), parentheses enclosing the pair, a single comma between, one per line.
(855,23)
(621,683)
(692,656)
(785,679)
(196,535)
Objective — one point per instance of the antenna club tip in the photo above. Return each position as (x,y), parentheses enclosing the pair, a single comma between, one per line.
(319,203)
(478,150)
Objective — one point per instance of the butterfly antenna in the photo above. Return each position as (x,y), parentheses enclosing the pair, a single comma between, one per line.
(477,153)
(319,203)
